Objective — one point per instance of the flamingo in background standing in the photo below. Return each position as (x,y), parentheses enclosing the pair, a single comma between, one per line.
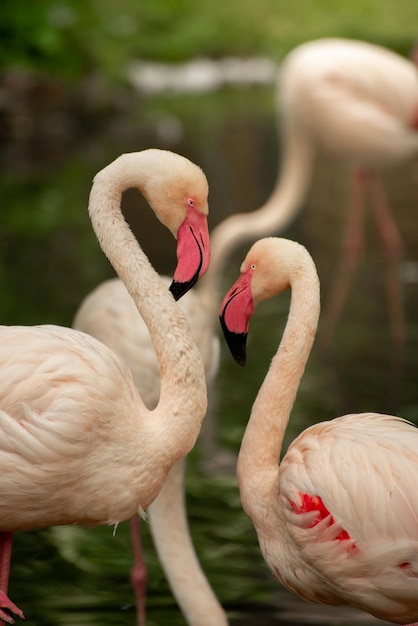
(337,520)
(356,102)
(77,443)
(109,314)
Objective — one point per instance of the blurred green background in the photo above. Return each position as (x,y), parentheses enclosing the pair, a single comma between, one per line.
(66,110)
(77,37)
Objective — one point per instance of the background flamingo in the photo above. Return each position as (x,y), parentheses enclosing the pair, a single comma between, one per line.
(77,444)
(337,520)
(356,102)
(109,314)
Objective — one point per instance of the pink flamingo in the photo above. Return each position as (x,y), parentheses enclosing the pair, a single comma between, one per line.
(337,519)
(358,103)
(77,443)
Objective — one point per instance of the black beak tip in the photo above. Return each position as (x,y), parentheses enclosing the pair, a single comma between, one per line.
(241,358)
(179,289)
(236,343)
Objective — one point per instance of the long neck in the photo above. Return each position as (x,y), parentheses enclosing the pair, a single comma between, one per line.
(183,389)
(273,217)
(171,535)
(258,460)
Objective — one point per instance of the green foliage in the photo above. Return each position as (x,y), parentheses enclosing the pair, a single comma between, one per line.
(40,35)
(75,37)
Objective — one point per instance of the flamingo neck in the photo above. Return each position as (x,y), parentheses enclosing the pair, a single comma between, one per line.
(258,460)
(273,217)
(180,362)
(171,535)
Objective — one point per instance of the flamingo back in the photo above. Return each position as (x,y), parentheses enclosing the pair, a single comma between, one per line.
(349,499)
(356,100)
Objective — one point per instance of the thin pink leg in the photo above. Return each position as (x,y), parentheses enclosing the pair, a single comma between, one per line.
(138,571)
(351,254)
(393,248)
(10,609)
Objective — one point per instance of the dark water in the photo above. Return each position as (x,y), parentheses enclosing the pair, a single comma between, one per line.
(50,260)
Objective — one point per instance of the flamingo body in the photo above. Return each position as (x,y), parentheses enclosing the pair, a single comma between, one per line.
(356,103)
(355,100)
(361,548)
(337,519)
(55,445)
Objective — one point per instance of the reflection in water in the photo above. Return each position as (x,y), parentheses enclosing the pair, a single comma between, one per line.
(50,260)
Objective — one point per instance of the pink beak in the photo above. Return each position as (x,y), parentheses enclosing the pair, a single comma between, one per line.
(193,252)
(235,312)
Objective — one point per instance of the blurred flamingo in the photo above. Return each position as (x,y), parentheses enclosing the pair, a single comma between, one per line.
(77,444)
(337,519)
(356,102)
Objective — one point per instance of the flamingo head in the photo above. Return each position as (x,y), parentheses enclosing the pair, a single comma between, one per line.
(177,190)
(260,279)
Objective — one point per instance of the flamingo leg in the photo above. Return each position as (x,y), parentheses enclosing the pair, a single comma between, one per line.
(393,248)
(138,571)
(10,609)
(352,250)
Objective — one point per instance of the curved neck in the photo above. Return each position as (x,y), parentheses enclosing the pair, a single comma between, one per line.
(178,356)
(274,216)
(258,460)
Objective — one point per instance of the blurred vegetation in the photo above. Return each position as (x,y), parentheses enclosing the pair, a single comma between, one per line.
(77,37)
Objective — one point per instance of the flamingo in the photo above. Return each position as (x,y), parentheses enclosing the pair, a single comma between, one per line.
(77,443)
(337,519)
(109,314)
(358,103)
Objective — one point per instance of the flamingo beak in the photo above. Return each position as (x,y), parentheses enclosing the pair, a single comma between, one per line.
(237,343)
(235,313)
(193,253)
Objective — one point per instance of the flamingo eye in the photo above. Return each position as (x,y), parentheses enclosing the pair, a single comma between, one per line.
(190,202)
(252,266)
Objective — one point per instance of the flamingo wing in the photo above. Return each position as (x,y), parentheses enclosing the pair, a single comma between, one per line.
(349,495)
(109,314)
(362,468)
(56,423)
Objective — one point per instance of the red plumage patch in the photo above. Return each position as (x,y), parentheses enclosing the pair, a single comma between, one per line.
(314,503)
